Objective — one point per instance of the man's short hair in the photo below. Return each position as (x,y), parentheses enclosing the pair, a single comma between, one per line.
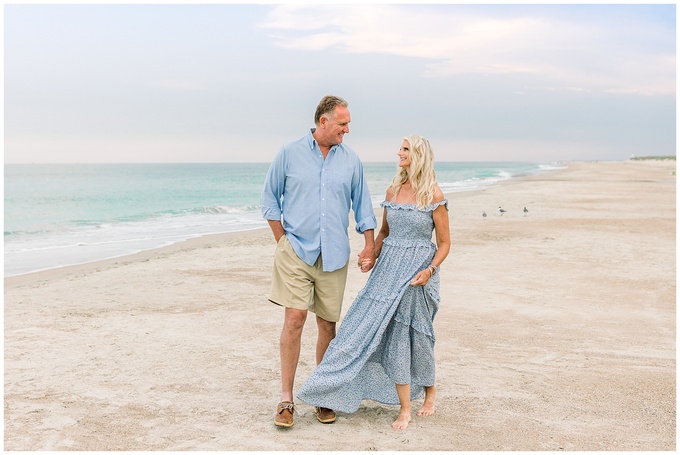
(326,106)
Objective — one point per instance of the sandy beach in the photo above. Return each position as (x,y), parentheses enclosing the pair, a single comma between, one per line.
(556,332)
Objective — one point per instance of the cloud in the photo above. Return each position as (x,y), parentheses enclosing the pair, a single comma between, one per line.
(603,51)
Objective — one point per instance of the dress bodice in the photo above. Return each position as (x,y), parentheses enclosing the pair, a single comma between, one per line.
(407,222)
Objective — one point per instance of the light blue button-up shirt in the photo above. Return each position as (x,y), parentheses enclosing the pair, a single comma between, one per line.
(312,197)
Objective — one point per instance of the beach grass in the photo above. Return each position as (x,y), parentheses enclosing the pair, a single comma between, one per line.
(655,158)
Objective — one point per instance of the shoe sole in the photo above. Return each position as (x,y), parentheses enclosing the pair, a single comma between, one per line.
(325,420)
(283,424)
(316,413)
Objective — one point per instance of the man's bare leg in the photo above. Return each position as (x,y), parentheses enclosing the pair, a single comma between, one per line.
(326,335)
(291,335)
(427,409)
(404,394)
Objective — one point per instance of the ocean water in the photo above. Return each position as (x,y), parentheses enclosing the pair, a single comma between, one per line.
(65,214)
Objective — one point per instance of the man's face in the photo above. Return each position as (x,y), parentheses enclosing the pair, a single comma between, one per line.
(336,125)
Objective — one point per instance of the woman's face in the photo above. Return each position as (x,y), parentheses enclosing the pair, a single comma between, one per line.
(404,155)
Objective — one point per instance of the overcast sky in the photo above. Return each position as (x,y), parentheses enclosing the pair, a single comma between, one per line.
(232,83)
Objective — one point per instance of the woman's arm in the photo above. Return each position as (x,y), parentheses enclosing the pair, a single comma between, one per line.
(382,234)
(384,228)
(440,216)
(442,234)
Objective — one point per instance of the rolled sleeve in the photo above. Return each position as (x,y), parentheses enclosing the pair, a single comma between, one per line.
(272,191)
(366,224)
(269,213)
(361,201)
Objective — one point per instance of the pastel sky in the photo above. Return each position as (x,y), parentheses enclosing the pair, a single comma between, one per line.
(233,82)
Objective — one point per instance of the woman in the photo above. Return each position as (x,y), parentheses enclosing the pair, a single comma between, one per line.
(384,349)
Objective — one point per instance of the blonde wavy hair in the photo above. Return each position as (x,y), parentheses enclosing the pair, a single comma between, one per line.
(420,172)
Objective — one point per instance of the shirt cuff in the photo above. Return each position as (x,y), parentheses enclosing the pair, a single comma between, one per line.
(366,224)
(269,213)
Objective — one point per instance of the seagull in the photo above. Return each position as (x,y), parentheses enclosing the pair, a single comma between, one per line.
(502,210)
(484,214)
(525,210)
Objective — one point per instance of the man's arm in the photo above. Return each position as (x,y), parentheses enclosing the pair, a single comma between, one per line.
(367,255)
(277,229)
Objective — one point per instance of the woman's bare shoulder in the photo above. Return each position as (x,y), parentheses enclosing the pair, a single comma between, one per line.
(438,195)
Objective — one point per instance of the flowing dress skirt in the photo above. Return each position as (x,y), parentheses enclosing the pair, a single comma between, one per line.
(386,337)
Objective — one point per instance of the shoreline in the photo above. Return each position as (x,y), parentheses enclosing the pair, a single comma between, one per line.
(24,255)
(556,331)
(201,241)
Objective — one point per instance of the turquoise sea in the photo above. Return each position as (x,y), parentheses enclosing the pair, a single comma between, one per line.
(65,214)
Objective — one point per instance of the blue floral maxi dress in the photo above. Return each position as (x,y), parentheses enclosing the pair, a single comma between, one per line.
(386,337)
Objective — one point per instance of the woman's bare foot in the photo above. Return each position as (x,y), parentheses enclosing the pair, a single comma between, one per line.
(402,421)
(427,409)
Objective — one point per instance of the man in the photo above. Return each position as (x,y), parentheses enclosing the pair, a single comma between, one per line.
(308,192)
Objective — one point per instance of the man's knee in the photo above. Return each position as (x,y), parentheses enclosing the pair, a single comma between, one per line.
(325,326)
(295,320)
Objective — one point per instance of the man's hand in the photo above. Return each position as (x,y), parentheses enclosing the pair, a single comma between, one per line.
(366,259)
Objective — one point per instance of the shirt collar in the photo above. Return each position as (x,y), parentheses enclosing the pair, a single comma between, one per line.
(310,138)
(312,142)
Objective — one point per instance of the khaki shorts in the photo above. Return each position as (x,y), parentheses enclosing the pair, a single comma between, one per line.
(296,284)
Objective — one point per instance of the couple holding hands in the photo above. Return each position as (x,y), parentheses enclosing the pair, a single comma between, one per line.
(384,348)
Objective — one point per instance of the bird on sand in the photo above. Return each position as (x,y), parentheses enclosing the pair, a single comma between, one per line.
(525,210)
(484,214)
(501,209)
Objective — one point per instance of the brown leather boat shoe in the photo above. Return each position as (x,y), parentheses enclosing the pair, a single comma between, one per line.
(284,414)
(324,415)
